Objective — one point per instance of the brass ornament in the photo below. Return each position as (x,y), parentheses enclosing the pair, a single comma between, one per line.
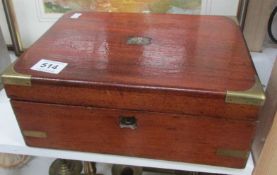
(66,167)
(72,167)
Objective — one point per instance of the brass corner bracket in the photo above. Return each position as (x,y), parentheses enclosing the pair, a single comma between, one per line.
(252,96)
(11,77)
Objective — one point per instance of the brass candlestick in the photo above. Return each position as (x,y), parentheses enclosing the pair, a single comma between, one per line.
(72,167)
(65,167)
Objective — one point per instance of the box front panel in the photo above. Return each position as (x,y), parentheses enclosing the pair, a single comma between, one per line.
(184,138)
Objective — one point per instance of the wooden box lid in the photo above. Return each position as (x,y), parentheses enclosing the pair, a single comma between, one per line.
(184,53)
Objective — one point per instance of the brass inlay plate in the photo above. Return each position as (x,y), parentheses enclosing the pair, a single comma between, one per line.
(232,153)
(11,77)
(139,41)
(252,96)
(35,134)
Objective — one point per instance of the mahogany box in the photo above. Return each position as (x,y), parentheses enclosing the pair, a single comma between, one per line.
(169,87)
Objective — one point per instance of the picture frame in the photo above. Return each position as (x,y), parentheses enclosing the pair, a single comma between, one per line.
(4,57)
(13,27)
(21,22)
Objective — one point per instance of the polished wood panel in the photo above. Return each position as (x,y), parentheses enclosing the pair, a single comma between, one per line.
(189,53)
(184,138)
(145,100)
(187,68)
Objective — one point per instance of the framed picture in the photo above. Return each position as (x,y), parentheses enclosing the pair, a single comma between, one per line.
(52,9)
(28,20)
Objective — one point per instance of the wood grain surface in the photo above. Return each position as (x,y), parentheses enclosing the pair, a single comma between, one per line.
(188,67)
(126,98)
(189,53)
(184,138)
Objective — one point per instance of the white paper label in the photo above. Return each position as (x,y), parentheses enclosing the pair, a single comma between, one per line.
(76,15)
(52,67)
